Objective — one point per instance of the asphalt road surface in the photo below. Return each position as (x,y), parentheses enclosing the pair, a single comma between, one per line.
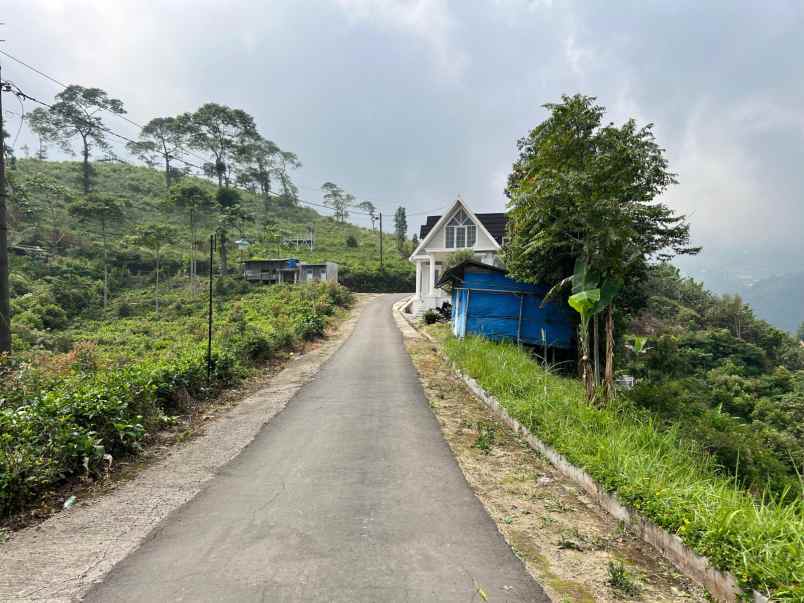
(349,494)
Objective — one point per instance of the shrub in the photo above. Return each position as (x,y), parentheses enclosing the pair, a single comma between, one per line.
(61,413)
(430,317)
(124,309)
(351,241)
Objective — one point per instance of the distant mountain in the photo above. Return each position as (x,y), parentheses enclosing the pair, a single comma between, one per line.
(779,300)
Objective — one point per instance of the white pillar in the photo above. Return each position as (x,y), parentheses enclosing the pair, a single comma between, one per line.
(432,275)
(418,280)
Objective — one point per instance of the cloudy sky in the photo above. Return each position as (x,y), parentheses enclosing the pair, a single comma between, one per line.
(416,101)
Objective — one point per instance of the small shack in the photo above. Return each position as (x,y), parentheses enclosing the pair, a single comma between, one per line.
(486,301)
(289,270)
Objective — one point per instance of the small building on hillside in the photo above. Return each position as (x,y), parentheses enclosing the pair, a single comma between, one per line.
(457,229)
(486,301)
(289,270)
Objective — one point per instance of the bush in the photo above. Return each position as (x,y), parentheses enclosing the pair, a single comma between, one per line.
(60,414)
(378,281)
(430,317)
(351,241)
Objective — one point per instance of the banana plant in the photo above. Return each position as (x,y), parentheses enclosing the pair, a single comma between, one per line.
(591,294)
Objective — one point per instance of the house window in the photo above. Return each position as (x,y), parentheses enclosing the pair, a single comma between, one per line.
(461,231)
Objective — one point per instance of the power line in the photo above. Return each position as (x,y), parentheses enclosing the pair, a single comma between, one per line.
(134,123)
(63,85)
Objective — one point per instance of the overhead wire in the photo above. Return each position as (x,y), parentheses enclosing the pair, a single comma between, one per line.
(135,123)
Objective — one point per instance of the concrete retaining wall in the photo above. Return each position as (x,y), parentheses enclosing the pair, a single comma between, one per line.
(721,585)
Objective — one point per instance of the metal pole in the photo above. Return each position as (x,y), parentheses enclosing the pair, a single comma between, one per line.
(380,240)
(209,334)
(5,293)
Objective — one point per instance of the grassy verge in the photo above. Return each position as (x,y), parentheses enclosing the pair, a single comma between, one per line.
(69,414)
(656,471)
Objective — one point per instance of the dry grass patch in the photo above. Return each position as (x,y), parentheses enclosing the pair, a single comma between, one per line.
(566,542)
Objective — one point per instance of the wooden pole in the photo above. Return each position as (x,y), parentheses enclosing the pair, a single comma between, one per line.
(5,293)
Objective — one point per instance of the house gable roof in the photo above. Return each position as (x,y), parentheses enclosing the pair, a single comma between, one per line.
(434,223)
(494,223)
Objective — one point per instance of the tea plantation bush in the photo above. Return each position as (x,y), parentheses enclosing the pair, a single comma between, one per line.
(63,415)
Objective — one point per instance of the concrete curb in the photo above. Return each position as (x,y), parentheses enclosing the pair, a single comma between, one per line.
(722,586)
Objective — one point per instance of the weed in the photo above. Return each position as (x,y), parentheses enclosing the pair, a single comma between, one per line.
(486,432)
(621,580)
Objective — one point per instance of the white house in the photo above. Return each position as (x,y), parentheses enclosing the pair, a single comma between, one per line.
(457,229)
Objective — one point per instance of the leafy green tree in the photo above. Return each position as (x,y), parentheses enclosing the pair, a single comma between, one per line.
(161,140)
(102,210)
(257,164)
(401,228)
(371,210)
(224,133)
(231,217)
(582,190)
(154,237)
(288,161)
(195,200)
(75,115)
(337,199)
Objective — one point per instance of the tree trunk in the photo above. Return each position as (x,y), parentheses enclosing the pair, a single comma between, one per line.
(224,254)
(588,373)
(86,168)
(156,290)
(609,373)
(192,251)
(105,265)
(596,345)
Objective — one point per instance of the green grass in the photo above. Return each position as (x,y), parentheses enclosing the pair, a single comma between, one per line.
(654,470)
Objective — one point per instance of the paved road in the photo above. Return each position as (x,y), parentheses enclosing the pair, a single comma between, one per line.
(350,494)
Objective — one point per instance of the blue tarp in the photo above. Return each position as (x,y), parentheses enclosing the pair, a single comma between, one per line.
(485,301)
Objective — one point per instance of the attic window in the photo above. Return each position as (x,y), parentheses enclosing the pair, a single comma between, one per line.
(461,231)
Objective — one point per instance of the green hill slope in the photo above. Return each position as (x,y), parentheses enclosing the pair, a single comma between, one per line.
(56,259)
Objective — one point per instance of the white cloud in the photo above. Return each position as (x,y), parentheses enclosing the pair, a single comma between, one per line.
(429,21)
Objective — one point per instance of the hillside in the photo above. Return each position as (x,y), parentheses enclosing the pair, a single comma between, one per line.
(779,300)
(56,258)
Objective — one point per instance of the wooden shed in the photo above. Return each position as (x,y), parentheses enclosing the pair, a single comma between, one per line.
(486,301)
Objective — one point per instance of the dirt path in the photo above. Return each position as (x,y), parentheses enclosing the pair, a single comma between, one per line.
(60,559)
(566,541)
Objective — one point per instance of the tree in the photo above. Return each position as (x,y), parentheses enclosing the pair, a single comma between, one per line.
(102,210)
(197,202)
(288,161)
(400,228)
(581,190)
(231,216)
(161,140)
(800,333)
(371,210)
(155,237)
(257,166)
(223,132)
(75,114)
(337,199)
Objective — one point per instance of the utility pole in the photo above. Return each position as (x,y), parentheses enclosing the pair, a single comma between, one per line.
(5,302)
(380,240)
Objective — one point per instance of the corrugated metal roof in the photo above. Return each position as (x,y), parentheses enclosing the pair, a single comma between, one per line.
(493,222)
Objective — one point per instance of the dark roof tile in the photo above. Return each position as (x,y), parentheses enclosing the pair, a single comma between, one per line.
(493,222)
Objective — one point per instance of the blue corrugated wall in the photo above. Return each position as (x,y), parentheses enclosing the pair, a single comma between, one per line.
(488,304)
